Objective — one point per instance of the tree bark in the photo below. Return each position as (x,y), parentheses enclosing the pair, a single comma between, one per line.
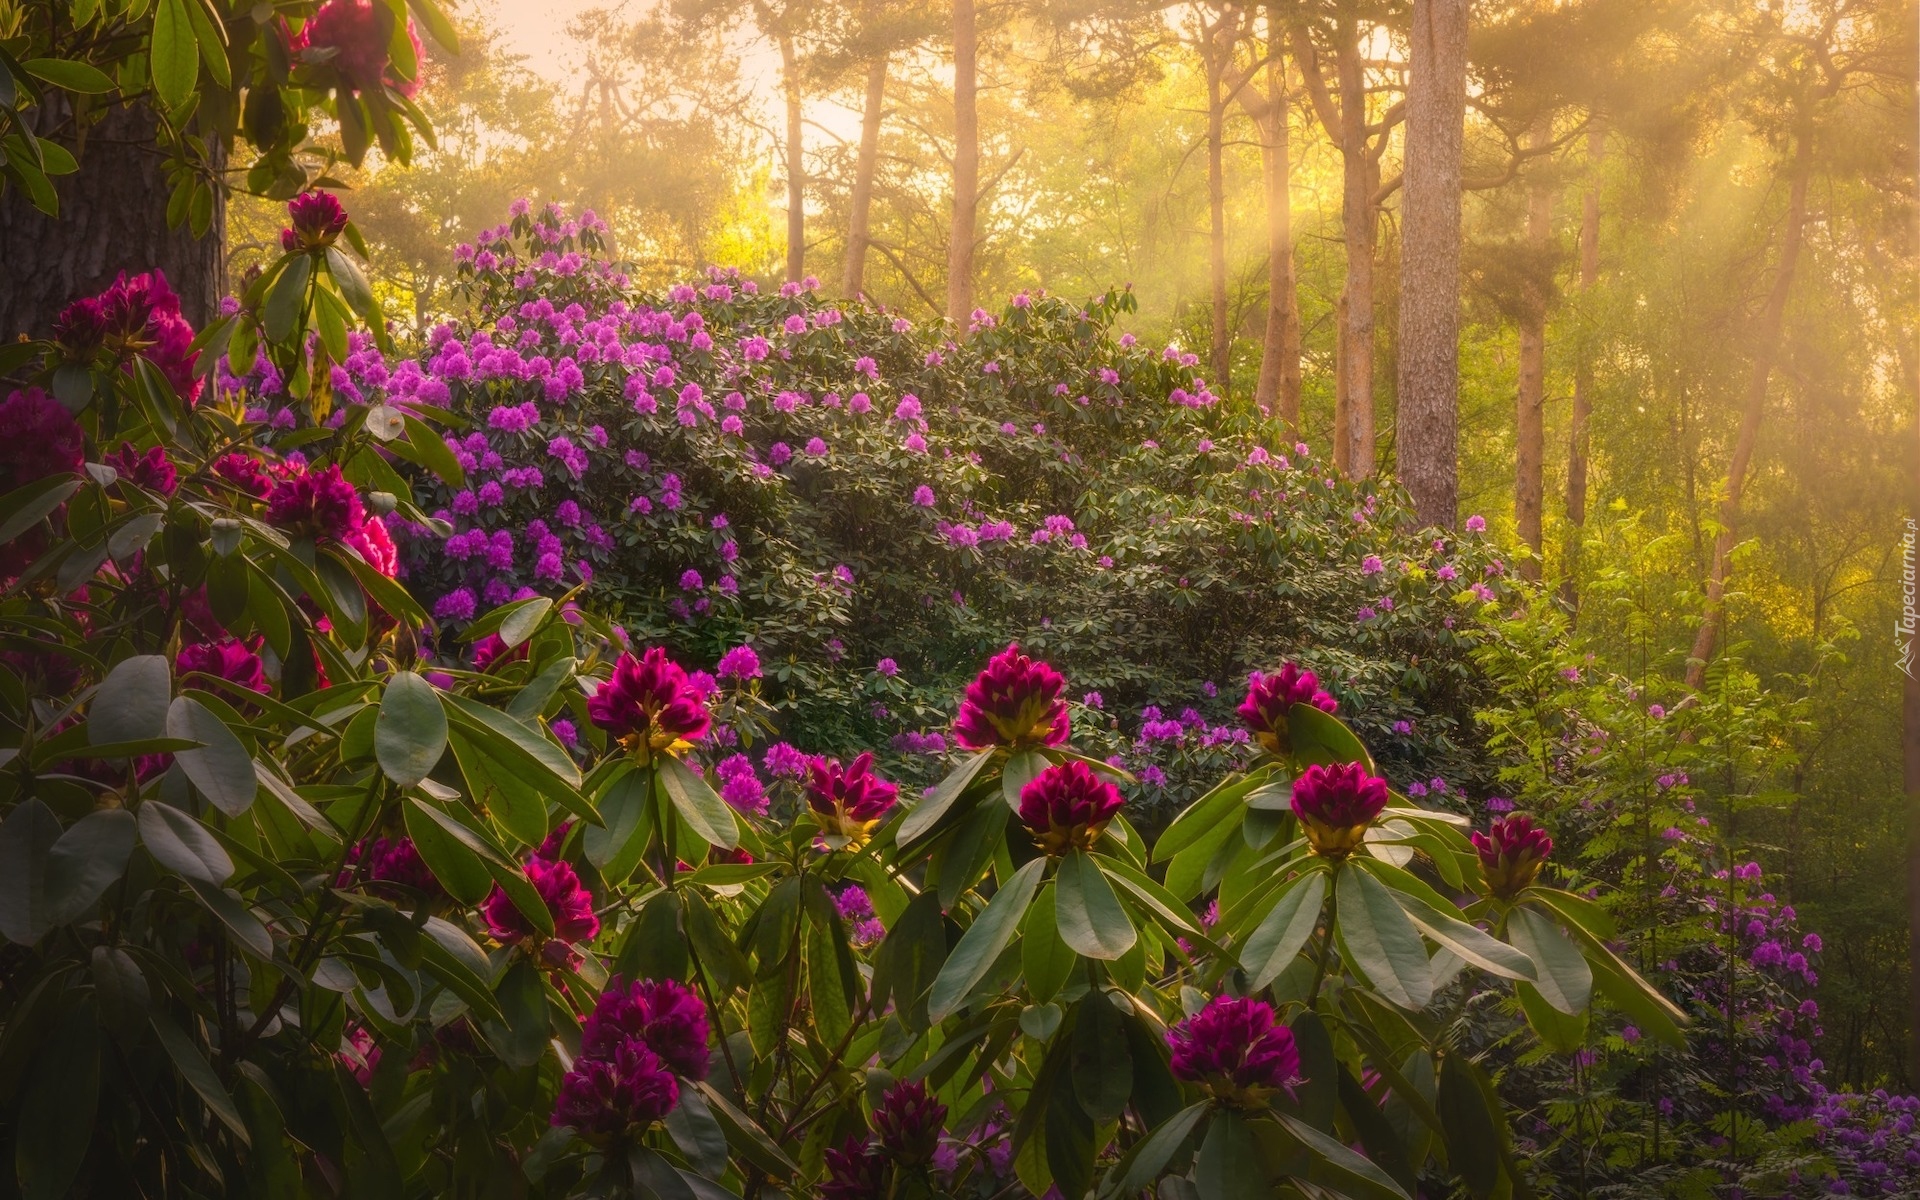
(796,164)
(1360,178)
(1218,45)
(1530,441)
(1583,364)
(112,219)
(1429,380)
(966,163)
(1766,345)
(1277,390)
(859,227)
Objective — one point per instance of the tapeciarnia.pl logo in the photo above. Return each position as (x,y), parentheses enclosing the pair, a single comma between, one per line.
(1904,628)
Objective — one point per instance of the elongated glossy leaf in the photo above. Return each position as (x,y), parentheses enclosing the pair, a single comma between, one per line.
(88,858)
(507,873)
(287,297)
(410,734)
(1229,1165)
(1471,943)
(1320,737)
(1564,978)
(1044,958)
(1088,914)
(1202,820)
(58,1112)
(699,805)
(26,837)
(458,962)
(457,867)
(1337,1165)
(525,739)
(1561,1032)
(221,767)
(1620,983)
(1473,1137)
(236,916)
(1150,1156)
(24,507)
(174,54)
(927,813)
(985,940)
(521,622)
(431,452)
(1284,930)
(1380,941)
(1020,769)
(746,1135)
(182,844)
(131,703)
(71,75)
(626,806)
(1142,891)
(198,1072)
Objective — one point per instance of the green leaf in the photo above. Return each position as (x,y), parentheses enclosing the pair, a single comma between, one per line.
(211,37)
(457,867)
(1473,1138)
(287,297)
(221,768)
(173,56)
(1335,1164)
(410,734)
(1101,1064)
(507,873)
(1203,819)
(507,796)
(182,844)
(58,1112)
(985,940)
(1229,1165)
(73,76)
(1379,940)
(236,916)
(909,959)
(1564,979)
(921,819)
(524,739)
(26,506)
(1021,768)
(1044,958)
(1148,894)
(698,804)
(1284,930)
(1559,1031)
(198,1072)
(458,962)
(1149,1157)
(432,453)
(1633,995)
(1323,738)
(746,1136)
(436,23)
(523,620)
(520,1036)
(352,284)
(87,859)
(26,838)
(1470,942)
(131,703)
(615,847)
(694,1130)
(1089,915)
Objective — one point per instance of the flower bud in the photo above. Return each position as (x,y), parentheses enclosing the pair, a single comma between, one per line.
(1237,1051)
(848,800)
(1014,702)
(1512,851)
(1271,697)
(649,706)
(1335,805)
(1067,805)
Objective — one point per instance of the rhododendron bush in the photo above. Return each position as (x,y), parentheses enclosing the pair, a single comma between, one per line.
(874,506)
(313,886)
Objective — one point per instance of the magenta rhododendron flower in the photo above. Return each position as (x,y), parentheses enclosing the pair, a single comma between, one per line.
(663,1013)
(152,471)
(650,706)
(244,473)
(351,30)
(849,800)
(375,545)
(602,1098)
(739,663)
(1335,805)
(493,648)
(392,861)
(907,1122)
(138,315)
(316,504)
(1271,697)
(38,438)
(1237,1051)
(566,898)
(317,220)
(1067,805)
(229,660)
(1015,701)
(1512,851)
(856,1170)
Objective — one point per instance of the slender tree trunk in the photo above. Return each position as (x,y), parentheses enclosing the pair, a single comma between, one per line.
(1766,345)
(796,165)
(112,219)
(859,221)
(1360,179)
(1429,383)
(1577,457)
(1530,451)
(1277,391)
(1342,389)
(1218,46)
(966,164)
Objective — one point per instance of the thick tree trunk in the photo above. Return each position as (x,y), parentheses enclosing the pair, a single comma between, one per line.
(1583,365)
(796,165)
(1360,178)
(1530,428)
(113,218)
(1766,345)
(1429,381)
(1218,46)
(859,226)
(1277,391)
(966,164)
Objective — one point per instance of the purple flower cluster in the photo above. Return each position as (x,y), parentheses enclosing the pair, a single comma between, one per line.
(1013,702)
(1237,1050)
(638,1043)
(650,706)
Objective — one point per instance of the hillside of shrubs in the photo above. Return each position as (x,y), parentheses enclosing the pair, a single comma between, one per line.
(723,743)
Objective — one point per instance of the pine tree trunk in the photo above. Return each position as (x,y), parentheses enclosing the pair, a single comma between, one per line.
(1360,179)
(1583,363)
(112,219)
(859,225)
(796,165)
(1766,346)
(1217,48)
(1429,379)
(1277,391)
(1530,441)
(966,164)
